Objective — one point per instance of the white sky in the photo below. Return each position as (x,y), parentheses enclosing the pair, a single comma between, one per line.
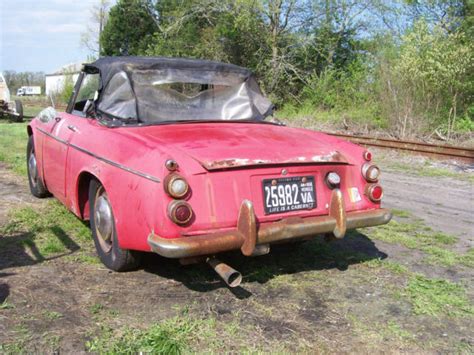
(42,35)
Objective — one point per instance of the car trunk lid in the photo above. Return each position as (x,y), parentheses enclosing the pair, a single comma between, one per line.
(220,146)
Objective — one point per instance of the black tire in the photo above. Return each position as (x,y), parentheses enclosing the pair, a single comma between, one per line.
(108,249)
(37,186)
(19,111)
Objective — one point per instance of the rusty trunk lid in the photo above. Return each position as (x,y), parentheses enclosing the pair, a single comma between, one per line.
(218,146)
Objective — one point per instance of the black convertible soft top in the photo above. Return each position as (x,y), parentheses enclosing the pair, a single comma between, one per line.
(158,89)
(108,66)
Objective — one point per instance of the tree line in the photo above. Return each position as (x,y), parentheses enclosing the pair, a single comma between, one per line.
(16,80)
(405,65)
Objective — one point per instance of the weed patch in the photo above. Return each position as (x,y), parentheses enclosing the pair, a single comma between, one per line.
(415,235)
(396,268)
(427,170)
(169,337)
(400,213)
(437,297)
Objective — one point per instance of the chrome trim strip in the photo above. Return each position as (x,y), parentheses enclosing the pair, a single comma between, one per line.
(105,160)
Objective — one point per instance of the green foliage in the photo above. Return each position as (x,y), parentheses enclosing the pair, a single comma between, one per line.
(433,66)
(67,89)
(323,58)
(228,31)
(128,29)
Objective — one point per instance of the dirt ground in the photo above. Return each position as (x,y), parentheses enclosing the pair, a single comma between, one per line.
(445,204)
(304,298)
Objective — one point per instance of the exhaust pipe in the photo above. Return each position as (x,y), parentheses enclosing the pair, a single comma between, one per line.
(232,277)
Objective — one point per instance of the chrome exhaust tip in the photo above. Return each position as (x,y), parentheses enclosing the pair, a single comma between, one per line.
(231,277)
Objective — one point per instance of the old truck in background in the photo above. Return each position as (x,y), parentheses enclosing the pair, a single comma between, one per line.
(13,109)
(29,91)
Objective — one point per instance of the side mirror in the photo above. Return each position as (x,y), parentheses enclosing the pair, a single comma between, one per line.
(47,115)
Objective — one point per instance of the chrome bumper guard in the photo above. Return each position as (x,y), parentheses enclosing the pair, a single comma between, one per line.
(247,235)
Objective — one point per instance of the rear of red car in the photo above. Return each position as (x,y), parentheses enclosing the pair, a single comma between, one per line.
(246,186)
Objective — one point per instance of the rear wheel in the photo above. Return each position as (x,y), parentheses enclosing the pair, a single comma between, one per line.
(37,187)
(104,232)
(19,111)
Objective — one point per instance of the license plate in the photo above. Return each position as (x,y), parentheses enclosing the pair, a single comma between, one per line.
(289,194)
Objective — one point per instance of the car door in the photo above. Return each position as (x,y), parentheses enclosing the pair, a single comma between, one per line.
(60,132)
(55,149)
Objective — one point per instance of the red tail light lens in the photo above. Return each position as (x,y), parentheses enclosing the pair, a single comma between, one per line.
(374,192)
(180,212)
(367,155)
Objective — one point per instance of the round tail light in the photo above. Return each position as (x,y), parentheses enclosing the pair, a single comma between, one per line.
(370,172)
(180,212)
(374,192)
(176,186)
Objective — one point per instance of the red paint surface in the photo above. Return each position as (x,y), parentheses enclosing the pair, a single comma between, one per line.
(249,153)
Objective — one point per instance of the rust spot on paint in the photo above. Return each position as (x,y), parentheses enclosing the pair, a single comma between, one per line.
(333,157)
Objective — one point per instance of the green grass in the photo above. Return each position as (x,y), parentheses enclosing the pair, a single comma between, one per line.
(6,305)
(172,336)
(13,141)
(400,213)
(394,267)
(22,339)
(381,331)
(45,231)
(406,234)
(426,169)
(52,315)
(436,297)
(307,115)
(31,111)
(416,235)
(96,308)
(428,296)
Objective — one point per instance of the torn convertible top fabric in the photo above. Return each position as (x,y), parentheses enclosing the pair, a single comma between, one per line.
(156,89)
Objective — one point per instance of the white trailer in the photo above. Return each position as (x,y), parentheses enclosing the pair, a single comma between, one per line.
(29,90)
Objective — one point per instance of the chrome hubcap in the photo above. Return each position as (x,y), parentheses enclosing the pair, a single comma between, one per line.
(103,219)
(32,168)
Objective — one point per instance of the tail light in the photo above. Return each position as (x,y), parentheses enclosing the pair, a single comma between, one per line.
(180,212)
(370,172)
(367,155)
(374,192)
(176,186)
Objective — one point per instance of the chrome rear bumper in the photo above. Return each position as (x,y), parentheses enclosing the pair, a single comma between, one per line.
(247,235)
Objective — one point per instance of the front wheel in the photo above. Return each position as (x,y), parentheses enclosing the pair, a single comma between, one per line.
(37,187)
(104,232)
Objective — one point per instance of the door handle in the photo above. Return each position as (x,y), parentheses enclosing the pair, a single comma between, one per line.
(72,128)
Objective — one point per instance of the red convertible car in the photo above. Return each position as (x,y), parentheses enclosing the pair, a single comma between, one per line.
(175,156)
